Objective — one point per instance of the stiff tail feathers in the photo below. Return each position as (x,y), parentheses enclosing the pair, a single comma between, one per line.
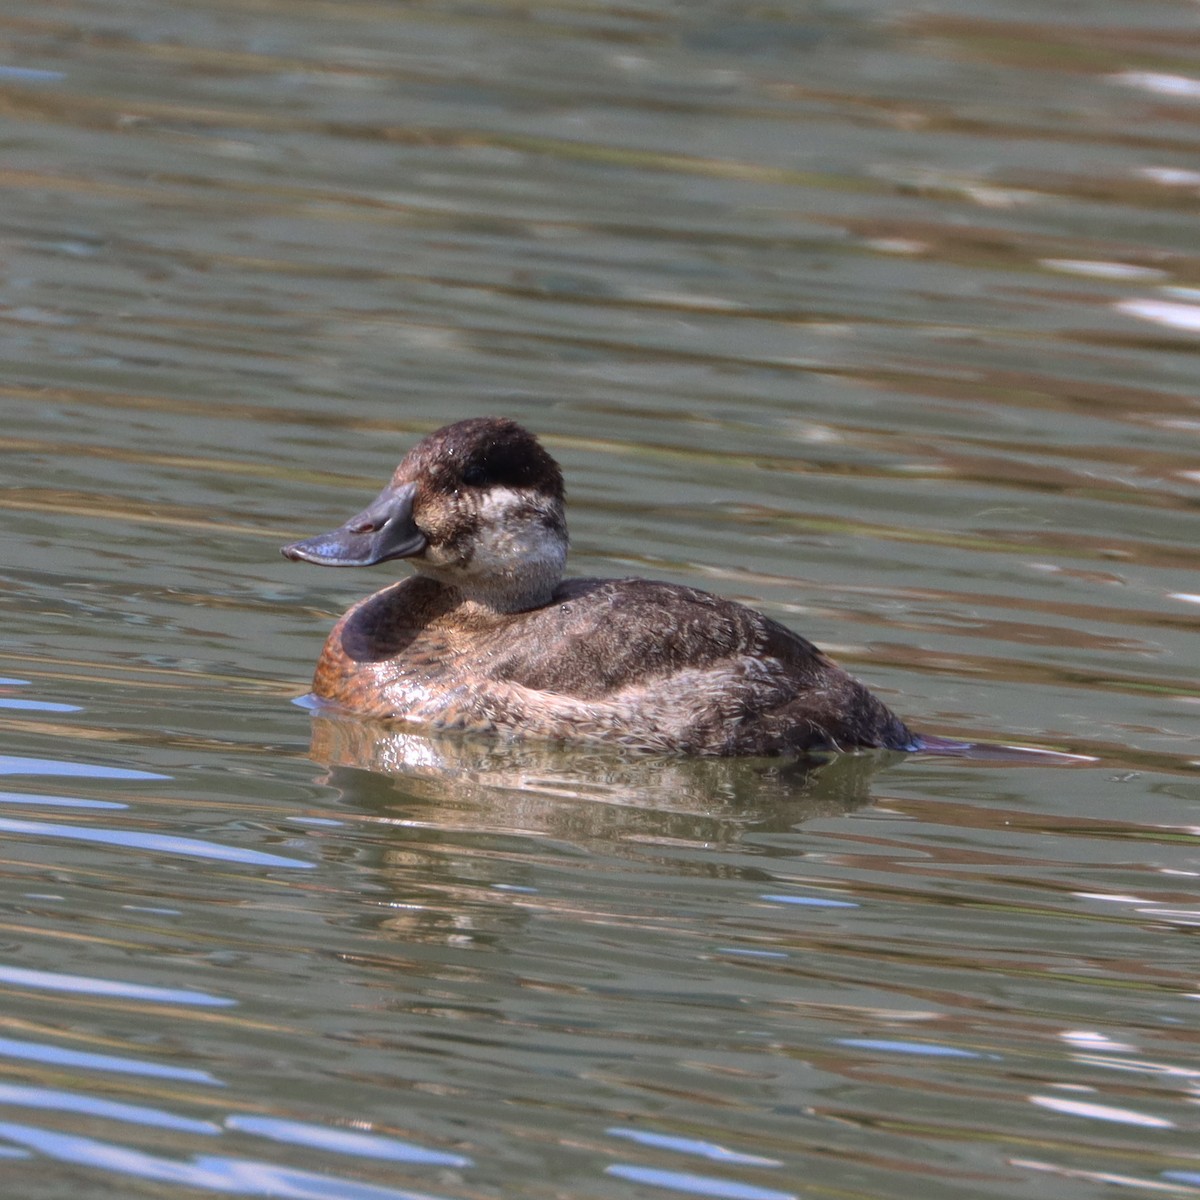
(929,743)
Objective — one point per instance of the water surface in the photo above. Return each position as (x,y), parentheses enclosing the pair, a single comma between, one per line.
(882,321)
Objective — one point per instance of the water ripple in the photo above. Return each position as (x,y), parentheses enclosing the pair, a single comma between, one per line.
(13,765)
(159,843)
(343,1141)
(686,1145)
(53,981)
(96,1106)
(85,1060)
(883,322)
(58,801)
(695,1185)
(241,1177)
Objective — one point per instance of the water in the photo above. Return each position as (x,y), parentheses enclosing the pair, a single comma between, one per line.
(882,320)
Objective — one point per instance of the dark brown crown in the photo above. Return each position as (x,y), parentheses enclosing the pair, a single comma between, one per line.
(482,452)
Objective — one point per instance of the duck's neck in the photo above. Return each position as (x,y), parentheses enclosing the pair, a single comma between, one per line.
(498,592)
(495,601)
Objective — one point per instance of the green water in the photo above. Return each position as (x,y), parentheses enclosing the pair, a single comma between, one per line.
(883,320)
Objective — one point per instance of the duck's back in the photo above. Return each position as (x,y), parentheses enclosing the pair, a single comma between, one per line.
(647,664)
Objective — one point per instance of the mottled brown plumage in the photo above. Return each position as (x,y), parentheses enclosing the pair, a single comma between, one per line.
(488,638)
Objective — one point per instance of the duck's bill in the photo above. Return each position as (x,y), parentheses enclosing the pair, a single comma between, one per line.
(383,530)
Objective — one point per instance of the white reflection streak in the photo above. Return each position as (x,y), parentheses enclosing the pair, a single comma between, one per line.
(1093,1039)
(1137,1065)
(343,1141)
(1100,1112)
(1145,1185)
(1170,176)
(1163,312)
(1099,269)
(1161,83)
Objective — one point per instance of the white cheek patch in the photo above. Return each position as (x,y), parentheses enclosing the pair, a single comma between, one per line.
(516,530)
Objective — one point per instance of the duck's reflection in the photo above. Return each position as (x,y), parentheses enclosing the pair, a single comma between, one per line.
(577,792)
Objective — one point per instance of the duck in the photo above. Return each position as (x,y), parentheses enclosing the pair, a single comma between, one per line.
(488,635)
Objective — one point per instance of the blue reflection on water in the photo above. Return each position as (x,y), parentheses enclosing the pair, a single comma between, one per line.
(14,765)
(343,1141)
(812,901)
(80,1102)
(57,801)
(692,1146)
(38,705)
(59,1056)
(911,1048)
(231,1175)
(698,1185)
(741,953)
(29,75)
(159,842)
(53,981)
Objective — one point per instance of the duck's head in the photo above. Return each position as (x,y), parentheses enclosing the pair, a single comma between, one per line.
(477,505)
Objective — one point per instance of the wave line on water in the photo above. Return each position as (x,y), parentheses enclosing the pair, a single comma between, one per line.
(86,984)
(14,765)
(157,842)
(211,1172)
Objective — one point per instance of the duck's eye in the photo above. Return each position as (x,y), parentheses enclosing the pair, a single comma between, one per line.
(476,475)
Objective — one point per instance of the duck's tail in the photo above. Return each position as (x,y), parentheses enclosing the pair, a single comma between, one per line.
(930,743)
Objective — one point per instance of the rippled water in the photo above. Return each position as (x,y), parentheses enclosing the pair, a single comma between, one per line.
(884,320)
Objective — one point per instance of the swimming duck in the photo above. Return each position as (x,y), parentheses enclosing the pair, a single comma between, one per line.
(488,636)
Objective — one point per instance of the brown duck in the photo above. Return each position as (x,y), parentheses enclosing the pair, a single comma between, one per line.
(488,636)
